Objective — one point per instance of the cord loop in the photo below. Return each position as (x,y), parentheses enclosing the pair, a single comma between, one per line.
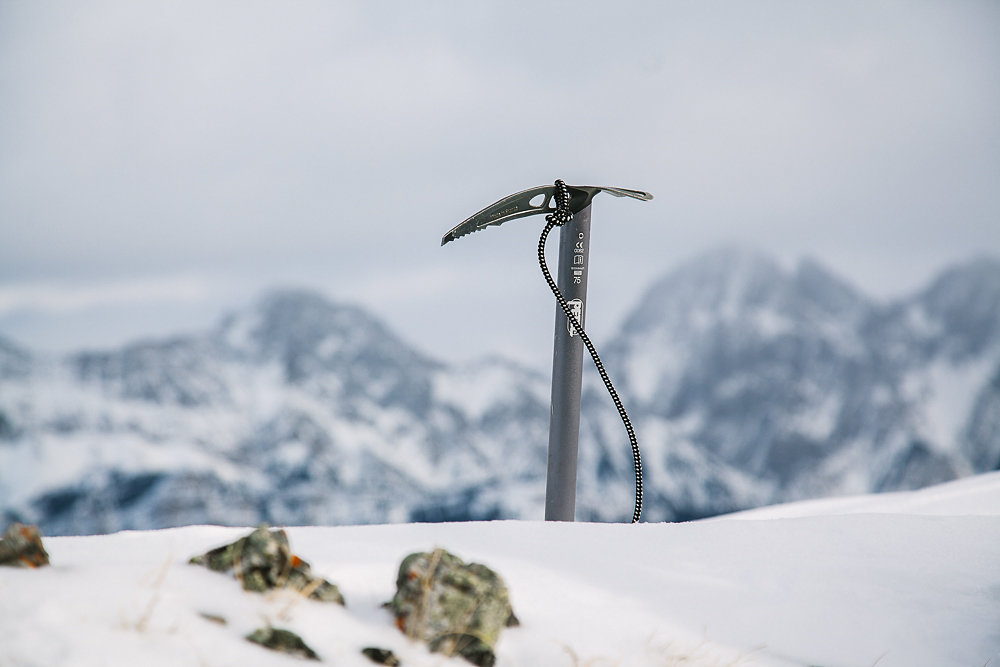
(562,214)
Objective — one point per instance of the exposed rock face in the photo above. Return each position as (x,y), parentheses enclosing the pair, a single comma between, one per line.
(454,607)
(262,561)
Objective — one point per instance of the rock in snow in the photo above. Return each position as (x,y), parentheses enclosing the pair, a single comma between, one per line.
(21,546)
(263,561)
(283,641)
(456,608)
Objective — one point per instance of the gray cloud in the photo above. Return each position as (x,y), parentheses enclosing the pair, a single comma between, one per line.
(333,144)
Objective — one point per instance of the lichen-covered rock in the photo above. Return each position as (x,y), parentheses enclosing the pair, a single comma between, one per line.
(263,561)
(454,607)
(284,641)
(21,546)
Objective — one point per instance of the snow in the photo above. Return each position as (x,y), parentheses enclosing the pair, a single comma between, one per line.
(971,496)
(479,386)
(898,580)
(948,391)
(80,458)
(820,419)
(661,365)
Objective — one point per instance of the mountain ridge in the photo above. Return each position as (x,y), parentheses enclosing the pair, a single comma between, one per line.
(749,384)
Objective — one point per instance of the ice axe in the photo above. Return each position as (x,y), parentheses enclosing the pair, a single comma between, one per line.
(567,206)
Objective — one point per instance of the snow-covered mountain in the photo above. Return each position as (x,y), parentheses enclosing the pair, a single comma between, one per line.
(748,384)
(797,385)
(297,410)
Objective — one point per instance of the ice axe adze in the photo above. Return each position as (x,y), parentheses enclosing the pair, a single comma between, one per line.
(568,206)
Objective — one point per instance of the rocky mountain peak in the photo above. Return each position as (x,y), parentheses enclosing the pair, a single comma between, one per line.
(747,290)
(963,304)
(817,285)
(307,332)
(14,360)
(727,279)
(285,320)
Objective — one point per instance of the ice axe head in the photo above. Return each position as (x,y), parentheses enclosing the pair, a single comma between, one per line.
(532,202)
(568,207)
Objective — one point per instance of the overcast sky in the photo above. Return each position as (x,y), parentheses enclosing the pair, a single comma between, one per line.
(162,162)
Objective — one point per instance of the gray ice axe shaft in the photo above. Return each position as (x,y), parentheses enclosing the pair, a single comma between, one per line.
(567,370)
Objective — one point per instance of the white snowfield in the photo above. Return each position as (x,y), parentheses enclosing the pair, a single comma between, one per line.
(904,580)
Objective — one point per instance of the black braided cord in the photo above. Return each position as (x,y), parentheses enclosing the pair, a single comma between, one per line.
(559,217)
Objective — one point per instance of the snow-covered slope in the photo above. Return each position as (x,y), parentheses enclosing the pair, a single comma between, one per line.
(900,580)
(748,384)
